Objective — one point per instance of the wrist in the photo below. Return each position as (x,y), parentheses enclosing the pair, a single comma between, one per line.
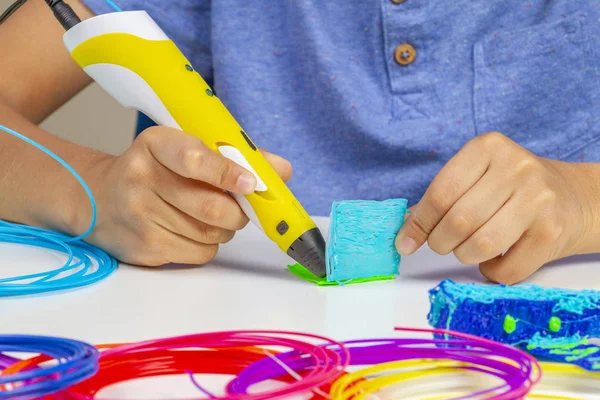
(77,213)
(584,187)
(35,189)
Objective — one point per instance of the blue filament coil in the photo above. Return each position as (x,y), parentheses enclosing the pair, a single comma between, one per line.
(85,263)
(75,362)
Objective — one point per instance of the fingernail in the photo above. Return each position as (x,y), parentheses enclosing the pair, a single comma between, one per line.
(407,246)
(246,184)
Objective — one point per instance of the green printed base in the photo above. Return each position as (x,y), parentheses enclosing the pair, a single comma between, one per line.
(308,276)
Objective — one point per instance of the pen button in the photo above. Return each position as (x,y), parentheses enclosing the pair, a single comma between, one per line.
(282,228)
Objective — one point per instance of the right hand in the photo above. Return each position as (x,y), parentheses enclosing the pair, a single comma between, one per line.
(163,200)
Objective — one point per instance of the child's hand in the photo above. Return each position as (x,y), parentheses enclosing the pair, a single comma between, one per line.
(495,196)
(162,201)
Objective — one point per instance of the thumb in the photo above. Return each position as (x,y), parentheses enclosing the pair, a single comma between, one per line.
(188,156)
(412,235)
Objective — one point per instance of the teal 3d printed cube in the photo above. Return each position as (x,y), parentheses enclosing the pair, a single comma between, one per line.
(361,242)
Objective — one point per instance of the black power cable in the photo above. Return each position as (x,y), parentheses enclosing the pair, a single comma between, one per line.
(62,11)
(11,9)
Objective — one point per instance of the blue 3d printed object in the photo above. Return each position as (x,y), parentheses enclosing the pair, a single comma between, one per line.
(556,324)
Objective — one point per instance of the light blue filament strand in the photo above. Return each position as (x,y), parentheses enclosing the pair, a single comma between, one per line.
(71,171)
(113,5)
(81,255)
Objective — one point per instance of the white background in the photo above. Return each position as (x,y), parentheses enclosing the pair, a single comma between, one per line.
(246,287)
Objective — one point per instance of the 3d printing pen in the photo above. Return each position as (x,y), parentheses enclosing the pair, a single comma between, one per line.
(136,63)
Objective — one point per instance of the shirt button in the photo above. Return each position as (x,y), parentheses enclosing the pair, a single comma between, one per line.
(405,54)
(398,1)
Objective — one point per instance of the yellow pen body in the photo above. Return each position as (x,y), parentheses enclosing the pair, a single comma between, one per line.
(128,55)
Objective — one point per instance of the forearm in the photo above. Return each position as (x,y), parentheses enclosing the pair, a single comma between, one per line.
(34,188)
(37,75)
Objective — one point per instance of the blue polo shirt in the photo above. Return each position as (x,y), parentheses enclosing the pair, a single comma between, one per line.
(370,98)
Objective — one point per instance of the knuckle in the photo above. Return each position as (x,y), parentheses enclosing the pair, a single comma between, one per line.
(227,237)
(149,138)
(494,138)
(136,169)
(151,131)
(440,242)
(490,141)
(527,166)
(212,234)
(462,256)
(192,158)
(148,135)
(436,244)
(546,197)
(440,201)
(207,253)
(484,246)
(460,224)
(551,232)
(242,222)
(477,249)
(438,248)
(213,210)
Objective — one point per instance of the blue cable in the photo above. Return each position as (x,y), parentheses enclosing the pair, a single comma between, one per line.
(77,361)
(86,264)
(113,5)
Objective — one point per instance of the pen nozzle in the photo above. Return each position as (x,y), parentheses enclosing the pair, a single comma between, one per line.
(309,251)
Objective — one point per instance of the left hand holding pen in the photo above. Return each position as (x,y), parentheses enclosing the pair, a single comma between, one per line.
(497,205)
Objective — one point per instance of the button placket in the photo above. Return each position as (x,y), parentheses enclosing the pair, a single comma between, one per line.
(406,58)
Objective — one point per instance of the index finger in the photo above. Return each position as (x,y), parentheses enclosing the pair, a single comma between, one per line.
(188,156)
(459,175)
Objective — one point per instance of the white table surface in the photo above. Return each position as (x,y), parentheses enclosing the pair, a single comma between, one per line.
(246,287)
